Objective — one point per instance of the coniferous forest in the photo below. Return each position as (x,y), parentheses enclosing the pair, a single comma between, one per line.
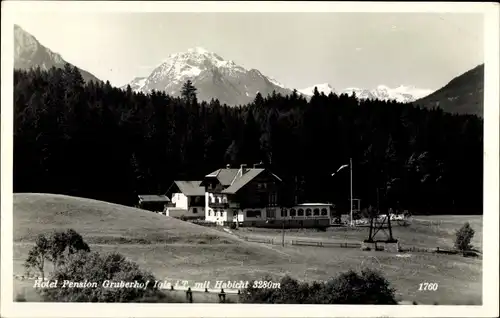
(93,140)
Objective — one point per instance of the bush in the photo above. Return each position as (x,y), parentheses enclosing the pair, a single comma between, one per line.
(54,248)
(233,226)
(369,287)
(463,238)
(20,298)
(94,268)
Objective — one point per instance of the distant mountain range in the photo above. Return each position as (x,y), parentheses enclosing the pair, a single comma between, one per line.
(232,84)
(462,95)
(28,53)
(402,94)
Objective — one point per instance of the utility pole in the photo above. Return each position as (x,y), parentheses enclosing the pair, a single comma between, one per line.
(350,165)
(283,235)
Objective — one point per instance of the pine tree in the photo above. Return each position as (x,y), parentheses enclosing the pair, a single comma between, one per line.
(188,92)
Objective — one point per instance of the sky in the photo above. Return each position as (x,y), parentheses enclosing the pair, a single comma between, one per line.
(364,50)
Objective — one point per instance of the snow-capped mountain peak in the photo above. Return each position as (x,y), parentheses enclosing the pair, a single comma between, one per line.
(322,88)
(402,93)
(212,75)
(275,82)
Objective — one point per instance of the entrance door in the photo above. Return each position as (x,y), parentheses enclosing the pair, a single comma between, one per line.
(271,213)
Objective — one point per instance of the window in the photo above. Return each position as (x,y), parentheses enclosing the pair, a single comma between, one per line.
(235,213)
(324,211)
(195,210)
(273,199)
(316,211)
(308,212)
(301,212)
(293,212)
(224,199)
(208,212)
(253,214)
(284,213)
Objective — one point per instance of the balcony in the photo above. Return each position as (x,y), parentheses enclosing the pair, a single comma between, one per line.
(219,205)
(234,205)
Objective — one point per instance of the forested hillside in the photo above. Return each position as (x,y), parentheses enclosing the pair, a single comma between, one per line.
(462,95)
(96,141)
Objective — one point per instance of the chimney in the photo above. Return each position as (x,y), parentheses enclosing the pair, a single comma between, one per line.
(243,169)
(258,165)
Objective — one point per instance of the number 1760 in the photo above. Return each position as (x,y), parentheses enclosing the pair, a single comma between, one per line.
(428,286)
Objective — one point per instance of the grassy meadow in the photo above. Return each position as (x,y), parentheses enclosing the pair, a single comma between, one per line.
(172,249)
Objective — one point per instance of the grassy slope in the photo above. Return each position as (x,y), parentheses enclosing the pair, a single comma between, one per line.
(173,249)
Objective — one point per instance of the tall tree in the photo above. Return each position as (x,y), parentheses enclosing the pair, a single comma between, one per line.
(188,92)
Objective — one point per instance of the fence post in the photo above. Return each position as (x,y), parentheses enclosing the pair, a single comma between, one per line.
(222,296)
(189,295)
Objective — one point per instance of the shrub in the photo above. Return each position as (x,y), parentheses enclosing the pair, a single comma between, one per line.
(20,298)
(95,268)
(56,248)
(369,287)
(463,238)
(233,226)
(351,288)
(37,256)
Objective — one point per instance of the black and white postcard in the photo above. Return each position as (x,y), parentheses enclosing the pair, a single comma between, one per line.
(249,159)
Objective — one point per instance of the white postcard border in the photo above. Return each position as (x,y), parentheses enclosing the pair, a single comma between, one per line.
(491,155)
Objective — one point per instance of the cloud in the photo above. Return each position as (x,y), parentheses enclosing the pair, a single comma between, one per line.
(358,49)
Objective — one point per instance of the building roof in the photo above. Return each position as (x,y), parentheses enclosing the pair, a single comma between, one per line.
(241,181)
(190,188)
(225,176)
(153,198)
(234,179)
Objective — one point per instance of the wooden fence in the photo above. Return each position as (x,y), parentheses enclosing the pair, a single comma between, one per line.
(303,243)
(326,244)
(402,249)
(258,240)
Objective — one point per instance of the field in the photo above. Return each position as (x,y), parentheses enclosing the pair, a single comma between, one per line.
(173,249)
(424,231)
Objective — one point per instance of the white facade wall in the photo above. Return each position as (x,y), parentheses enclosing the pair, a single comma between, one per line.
(242,215)
(182,207)
(217,215)
(180,200)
